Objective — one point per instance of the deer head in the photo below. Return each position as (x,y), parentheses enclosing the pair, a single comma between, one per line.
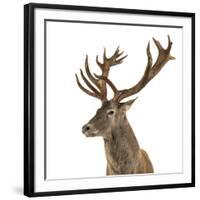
(113,111)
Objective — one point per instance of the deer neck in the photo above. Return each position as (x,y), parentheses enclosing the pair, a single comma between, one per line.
(121,147)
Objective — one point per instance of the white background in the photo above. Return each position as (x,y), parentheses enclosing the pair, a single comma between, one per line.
(155,117)
(11,105)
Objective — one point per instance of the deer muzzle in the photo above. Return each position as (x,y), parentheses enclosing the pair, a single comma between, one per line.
(89,131)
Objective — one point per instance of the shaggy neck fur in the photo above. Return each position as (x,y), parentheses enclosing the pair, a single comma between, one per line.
(121,148)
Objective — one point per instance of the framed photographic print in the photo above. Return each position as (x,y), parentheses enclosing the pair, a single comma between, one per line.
(108,99)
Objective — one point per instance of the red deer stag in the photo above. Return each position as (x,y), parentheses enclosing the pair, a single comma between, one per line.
(123,153)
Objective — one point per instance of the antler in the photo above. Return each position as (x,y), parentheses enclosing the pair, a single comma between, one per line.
(105,66)
(98,86)
(100,91)
(150,71)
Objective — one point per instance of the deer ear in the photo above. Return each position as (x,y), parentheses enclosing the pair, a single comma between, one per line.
(126,105)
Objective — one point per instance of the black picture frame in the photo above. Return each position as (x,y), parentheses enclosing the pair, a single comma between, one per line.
(29,108)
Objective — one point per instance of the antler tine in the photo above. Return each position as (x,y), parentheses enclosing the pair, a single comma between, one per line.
(90,76)
(93,91)
(163,57)
(84,89)
(104,54)
(115,58)
(98,63)
(111,61)
(150,71)
(90,85)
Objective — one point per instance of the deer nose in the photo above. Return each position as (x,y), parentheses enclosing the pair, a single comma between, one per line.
(85,128)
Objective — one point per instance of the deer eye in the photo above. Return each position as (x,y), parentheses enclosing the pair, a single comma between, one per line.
(110,113)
